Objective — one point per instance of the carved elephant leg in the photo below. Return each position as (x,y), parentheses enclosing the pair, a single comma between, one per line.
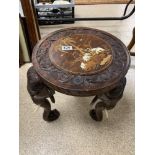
(107,100)
(97,112)
(39,93)
(48,114)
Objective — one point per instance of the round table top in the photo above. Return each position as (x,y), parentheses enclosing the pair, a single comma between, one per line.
(81,61)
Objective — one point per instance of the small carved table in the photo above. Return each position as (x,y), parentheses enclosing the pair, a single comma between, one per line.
(78,61)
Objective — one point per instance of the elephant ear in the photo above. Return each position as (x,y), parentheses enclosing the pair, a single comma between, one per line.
(34,84)
(43,93)
(117,92)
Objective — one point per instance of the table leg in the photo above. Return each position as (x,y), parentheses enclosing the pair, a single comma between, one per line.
(107,100)
(39,93)
(132,43)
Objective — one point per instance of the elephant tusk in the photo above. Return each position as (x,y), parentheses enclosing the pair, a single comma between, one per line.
(106,113)
(36,108)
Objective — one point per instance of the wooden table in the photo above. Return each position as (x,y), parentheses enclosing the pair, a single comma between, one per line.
(78,61)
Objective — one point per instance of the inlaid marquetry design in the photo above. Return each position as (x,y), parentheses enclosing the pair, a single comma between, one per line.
(81,54)
(81,61)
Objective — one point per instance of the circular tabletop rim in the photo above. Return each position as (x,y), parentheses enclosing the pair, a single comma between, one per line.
(71,90)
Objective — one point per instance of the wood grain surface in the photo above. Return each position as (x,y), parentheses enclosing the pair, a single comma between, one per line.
(76,84)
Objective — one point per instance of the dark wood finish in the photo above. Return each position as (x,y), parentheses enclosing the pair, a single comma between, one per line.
(107,100)
(33,32)
(80,85)
(103,74)
(132,43)
(39,94)
(35,17)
